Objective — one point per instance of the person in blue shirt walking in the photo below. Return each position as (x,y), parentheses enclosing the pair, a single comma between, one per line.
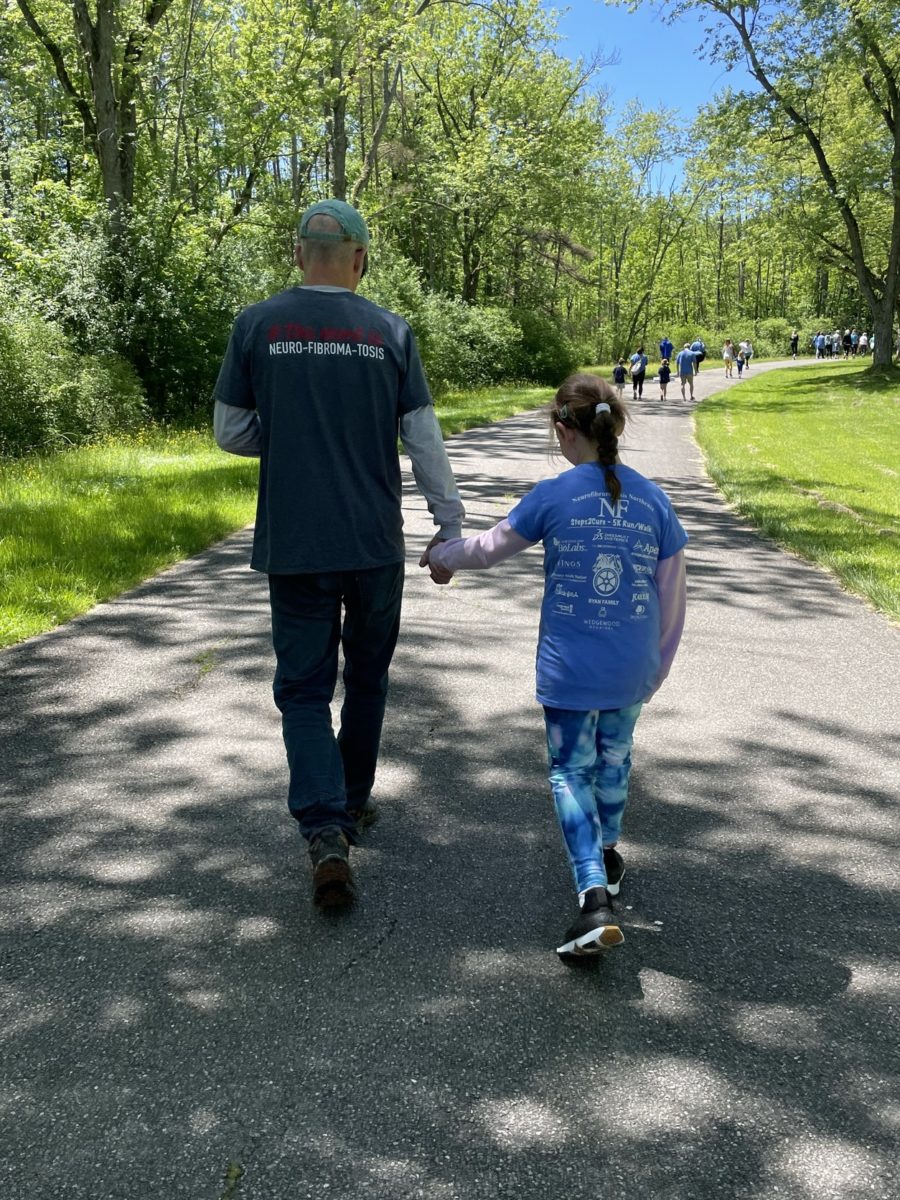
(686,364)
(611,620)
(665,348)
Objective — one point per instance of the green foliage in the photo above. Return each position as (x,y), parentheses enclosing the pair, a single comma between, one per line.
(465,347)
(461,346)
(514,228)
(52,397)
(546,355)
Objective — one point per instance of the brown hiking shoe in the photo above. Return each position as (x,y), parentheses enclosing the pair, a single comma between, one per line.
(329,853)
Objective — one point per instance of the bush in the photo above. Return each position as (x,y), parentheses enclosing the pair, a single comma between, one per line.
(546,355)
(466,347)
(51,397)
(773,338)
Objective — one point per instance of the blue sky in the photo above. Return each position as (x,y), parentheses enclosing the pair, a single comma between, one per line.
(657,62)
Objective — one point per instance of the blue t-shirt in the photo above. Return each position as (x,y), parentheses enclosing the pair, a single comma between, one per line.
(330,374)
(599,640)
(686,362)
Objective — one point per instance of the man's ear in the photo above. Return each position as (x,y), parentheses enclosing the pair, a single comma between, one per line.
(298,255)
(365,262)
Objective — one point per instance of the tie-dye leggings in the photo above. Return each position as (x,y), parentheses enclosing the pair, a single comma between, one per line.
(589,756)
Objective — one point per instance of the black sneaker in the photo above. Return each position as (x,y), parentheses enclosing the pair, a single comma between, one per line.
(329,853)
(365,816)
(594,929)
(615,869)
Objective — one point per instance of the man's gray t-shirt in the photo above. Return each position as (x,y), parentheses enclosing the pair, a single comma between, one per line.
(330,375)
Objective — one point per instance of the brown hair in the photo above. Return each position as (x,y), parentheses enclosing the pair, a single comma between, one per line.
(575,407)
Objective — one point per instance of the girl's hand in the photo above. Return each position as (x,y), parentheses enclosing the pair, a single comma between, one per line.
(438,574)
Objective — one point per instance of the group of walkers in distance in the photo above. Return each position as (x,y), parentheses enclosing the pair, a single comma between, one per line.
(687,365)
(851,343)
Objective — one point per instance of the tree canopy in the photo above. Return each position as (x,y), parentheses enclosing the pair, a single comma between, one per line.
(155,156)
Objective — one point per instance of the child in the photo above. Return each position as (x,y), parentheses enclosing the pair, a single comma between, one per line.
(740,363)
(611,620)
(619,376)
(665,374)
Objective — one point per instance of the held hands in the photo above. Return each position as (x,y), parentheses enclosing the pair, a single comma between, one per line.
(438,574)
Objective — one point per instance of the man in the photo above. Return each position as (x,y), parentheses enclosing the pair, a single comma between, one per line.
(686,362)
(698,348)
(665,348)
(318,382)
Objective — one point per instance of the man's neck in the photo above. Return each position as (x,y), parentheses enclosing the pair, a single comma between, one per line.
(317,276)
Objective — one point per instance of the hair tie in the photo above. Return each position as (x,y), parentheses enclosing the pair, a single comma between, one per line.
(564,413)
(599,408)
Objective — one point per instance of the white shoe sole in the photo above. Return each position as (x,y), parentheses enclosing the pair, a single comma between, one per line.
(594,942)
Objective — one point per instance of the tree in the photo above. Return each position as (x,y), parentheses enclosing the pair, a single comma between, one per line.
(100,76)
(811,61)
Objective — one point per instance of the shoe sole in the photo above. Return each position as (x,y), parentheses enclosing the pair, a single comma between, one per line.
(598,940)
(333,884)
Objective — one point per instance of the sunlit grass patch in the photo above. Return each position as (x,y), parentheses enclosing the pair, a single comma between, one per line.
(84,525)
(458,411)
(812,457)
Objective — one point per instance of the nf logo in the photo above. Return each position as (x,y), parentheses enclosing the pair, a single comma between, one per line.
(607,573)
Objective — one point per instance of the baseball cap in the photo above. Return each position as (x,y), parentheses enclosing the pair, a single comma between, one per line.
(353,227)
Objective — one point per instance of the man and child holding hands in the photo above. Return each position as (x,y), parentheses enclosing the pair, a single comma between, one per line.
(318,382)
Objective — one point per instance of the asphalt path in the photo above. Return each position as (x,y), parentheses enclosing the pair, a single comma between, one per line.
(177,1021)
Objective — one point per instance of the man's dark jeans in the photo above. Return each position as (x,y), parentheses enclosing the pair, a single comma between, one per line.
(332,777)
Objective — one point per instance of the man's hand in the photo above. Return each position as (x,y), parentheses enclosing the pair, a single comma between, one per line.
(438,574)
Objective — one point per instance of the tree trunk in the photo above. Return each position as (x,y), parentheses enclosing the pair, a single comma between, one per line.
(883,328)
(338,126)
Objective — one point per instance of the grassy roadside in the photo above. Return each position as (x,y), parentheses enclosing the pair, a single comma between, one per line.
(81,526)
(86,524)
(458,411)
(811,456)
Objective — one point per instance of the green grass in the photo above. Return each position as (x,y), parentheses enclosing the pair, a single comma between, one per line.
(83,525)
(86,524)
(812,457)
(458,411)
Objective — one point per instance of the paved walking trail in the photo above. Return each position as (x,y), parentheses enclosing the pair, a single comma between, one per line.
(177,1022)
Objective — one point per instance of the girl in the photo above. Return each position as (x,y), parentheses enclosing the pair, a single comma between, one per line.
(665,374)
(740,363)
(619,377)
(612,616)
(728,357)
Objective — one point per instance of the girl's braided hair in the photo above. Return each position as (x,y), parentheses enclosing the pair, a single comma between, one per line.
(575,407)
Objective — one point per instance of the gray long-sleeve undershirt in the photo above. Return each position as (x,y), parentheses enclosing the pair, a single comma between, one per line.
(237,431)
